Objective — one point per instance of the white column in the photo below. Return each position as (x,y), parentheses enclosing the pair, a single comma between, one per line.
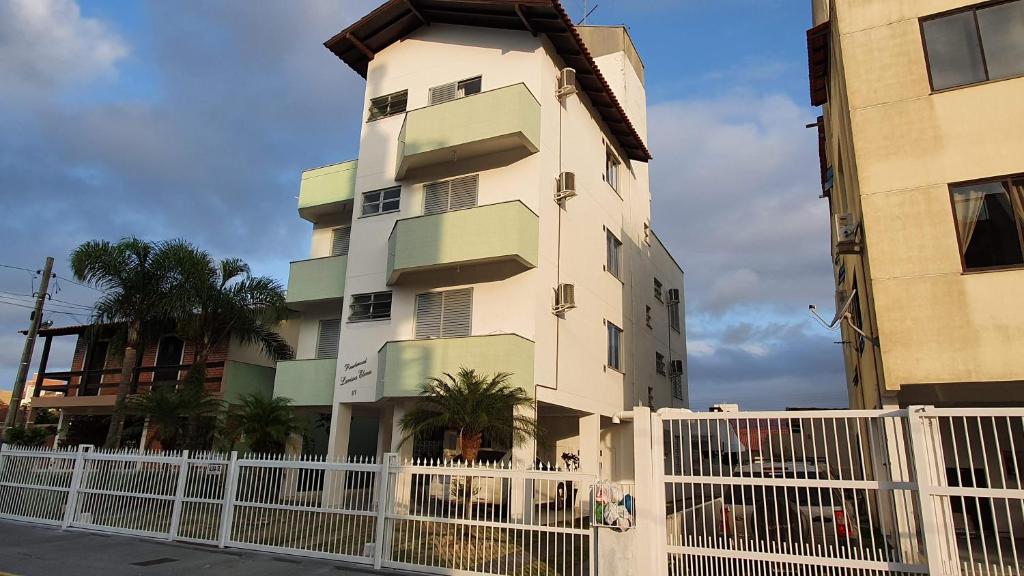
(524,457)
(337,449)
(403,449)
(384,428)
(290,481)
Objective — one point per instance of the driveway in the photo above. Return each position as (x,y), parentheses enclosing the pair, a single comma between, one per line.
(32,550)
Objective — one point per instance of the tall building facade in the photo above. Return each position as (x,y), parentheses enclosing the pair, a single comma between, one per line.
(922,162)
(497,218)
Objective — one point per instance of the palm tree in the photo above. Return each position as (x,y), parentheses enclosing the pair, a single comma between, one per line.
(167,409)
(264,422)
(473,405)
(133,278)
(215,302)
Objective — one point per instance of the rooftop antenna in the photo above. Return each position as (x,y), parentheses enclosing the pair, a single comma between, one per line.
(586,12)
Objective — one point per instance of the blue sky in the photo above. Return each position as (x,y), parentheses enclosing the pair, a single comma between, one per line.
(194,119)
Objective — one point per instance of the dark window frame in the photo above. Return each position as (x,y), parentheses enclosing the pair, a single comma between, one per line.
(380,201)
(371,316)
(1008,179)
(981,44)
(611,327)
(659,291)
(659,364)
(370,117)
(613,254)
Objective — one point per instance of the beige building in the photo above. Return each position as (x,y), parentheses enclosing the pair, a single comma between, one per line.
(497,218)
(922,152)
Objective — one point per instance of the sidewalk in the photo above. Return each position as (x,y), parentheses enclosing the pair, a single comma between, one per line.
(33,550)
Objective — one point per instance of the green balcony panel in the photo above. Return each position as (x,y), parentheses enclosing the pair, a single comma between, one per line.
(324,190)
(481,244)
(316,280)
(404,365)
(504,122)
(242,378)
(306,382)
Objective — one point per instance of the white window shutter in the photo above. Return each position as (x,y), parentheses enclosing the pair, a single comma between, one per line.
(428,314)
(328,338)
(457,314)
(435,197)
(340,241)
(443,93)
(464,192)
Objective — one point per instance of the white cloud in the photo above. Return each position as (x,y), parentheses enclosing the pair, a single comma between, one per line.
(48,43)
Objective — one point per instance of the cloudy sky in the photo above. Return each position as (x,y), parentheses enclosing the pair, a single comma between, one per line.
(194,119)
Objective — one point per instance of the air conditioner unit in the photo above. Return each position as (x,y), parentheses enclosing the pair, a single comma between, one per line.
(566,186)
(846,233)
(566,82)
(565,298)
(675,367)
(673,296)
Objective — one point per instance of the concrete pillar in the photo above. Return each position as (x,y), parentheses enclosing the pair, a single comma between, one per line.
(590,458)
(403,449)
(384,427)
(521,494)
(337,449)
(145,435)
(62,430)
(290,479)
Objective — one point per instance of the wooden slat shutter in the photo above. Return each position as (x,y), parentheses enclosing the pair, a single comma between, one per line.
(457,313)
(443,93)
(340,241)
(428,314)
(328,338)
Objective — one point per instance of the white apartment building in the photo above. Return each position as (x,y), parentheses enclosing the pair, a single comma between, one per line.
(497,218)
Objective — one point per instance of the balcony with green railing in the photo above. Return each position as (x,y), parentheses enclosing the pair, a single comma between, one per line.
(316,280)
(404,365)
(325,190)
(306,382)
(480,244)
(503,123)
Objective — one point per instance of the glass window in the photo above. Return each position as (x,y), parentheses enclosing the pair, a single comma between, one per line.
(673,315)
(659,363)
(381,201)
(469,87)
(989,216)
(648,316)
(374,306)
(388,105)
(975,45)
(657,290)
(1002,35)
(614,346)
(611,169)
(614,254)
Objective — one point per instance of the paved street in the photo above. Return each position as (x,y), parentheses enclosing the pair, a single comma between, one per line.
(31,550)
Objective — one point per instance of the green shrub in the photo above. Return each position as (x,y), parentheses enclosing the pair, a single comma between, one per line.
(25,436)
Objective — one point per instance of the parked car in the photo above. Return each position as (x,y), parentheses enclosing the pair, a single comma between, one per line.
(495,490)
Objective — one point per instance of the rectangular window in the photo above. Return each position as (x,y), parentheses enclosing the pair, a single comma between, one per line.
(614,254)
(388,105)
(657,290)
(447,314)
(614,346)
(673,316)
(382,201)
(648,316)
(374,306)
(611,169)
(677,386)
(975,45)
(659,363)
(454,90)
(989,221)
(328,337)
(340,240)
(448,195)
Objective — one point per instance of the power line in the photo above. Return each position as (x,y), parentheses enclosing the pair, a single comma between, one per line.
(74,304)
(78,283)
(19,268)
(55,308)
(75,314)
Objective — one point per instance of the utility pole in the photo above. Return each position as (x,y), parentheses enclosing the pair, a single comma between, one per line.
(30,343)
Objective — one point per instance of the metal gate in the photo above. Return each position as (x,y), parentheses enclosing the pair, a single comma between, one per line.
(913,491)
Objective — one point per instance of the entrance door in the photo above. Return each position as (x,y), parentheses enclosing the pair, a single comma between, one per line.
(168,354)
(94,364)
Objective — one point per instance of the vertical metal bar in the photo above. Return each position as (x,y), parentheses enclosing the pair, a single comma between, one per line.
(384,471)
(179,495)
(227,510)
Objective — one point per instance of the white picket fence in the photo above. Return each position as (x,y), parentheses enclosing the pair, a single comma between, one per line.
(387,514)
(914,491)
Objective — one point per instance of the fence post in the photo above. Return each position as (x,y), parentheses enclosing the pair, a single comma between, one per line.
(645,461)
(227,513)
(76,482)
(179,495)
(923,452)
(384,483)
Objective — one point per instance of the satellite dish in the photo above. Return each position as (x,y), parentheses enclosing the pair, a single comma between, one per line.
(840,313)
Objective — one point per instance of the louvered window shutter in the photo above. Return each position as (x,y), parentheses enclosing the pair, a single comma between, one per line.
(444,314)
(435,197)
(328,338)
(457,313)
(443,93)
(340,241)
(428,314)
(464,192)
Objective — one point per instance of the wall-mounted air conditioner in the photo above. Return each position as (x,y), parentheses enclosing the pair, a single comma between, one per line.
(565,298)
(846,233)
(566,186)
(566,82)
